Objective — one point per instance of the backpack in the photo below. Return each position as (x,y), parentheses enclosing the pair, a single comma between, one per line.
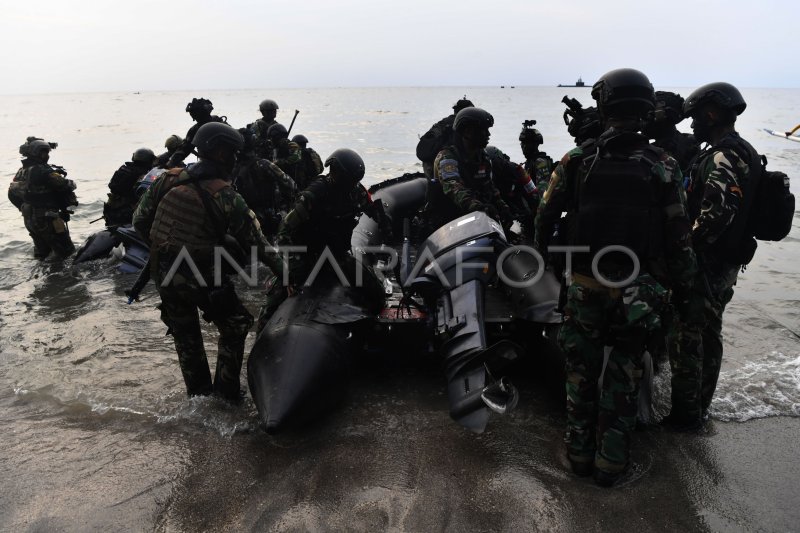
(766,213)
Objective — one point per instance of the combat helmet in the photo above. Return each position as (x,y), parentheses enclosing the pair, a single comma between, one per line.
(669,107)
(215,134)
(199,105)
(36,148)
(720,93)
(267,105)
(473,116)
(143,155)
(277,131)
(301,140)
(348,162)
(462,104)
(624,86)
(173,142)
(529,134)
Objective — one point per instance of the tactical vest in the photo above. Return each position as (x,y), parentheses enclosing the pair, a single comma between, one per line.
(334,215)
(39,192)
(257,188)
(182,218)
(123,182)
(475,175)
(618,204)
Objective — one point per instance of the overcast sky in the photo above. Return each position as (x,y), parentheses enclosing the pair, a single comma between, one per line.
(61,46)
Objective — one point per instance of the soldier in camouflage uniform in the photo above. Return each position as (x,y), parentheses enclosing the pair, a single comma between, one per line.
(43,194)
(537,164)
(717,186)
(200,111)
(619,191)
(264,186)
(122,198)
(190,211)
(464,174)
(439,136)
(324,218)
(269,110)
(312,162)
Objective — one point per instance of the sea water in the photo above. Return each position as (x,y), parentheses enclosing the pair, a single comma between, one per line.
(74,356)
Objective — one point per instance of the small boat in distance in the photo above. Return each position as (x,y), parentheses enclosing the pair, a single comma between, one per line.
(578,83)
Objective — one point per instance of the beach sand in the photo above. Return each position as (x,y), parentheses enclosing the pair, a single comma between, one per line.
(390,458)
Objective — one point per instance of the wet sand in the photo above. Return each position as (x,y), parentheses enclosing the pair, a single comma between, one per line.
(390,458)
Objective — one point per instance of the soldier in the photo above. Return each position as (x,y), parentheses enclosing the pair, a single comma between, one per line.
(172,143)
(44,195)
(200,111)
(516,188)
(439,136)
(622,192)
(537,164)
(464,174)
(285,153)
(122,199)
(184,216)
(583,123)
(264,186)
(661,128)
(312,162)
(717,187)
(324,218)
(269,110)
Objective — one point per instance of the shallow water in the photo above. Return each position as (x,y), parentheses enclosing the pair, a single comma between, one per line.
(90,389)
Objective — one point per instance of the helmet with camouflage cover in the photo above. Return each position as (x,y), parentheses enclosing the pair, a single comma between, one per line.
(624,89)
(348,163)
(267,105)
(462,104)
(213,135)
(722,94)
(473,116)
(143,155)
(173,142)
(199,105)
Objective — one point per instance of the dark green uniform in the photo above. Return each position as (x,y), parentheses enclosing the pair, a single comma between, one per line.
(265,188)
(47,195)
(715,194)
(617,191)
(463,184)
(190,211)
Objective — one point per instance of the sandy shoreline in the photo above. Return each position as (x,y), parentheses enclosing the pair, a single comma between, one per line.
(391,459)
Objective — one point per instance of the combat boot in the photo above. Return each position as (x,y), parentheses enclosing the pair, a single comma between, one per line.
(682,424)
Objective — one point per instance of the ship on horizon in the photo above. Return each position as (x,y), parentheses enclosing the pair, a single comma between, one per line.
(578,83)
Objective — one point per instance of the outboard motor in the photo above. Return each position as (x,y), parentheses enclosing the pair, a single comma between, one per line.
(454,266)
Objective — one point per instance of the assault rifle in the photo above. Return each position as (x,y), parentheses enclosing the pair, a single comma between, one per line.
(139,284)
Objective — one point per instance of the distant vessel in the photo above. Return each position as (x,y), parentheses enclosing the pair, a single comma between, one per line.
(578,83)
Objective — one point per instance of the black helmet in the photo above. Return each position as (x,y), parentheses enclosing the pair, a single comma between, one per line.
(277,131)
(623,86)
(143,155)
(462,104)
(199,104)
(347,161)
(302,140)
(529,134)
(669,107)
(473,115)
(267,105)
(493,152)
(38,148)
(720,93)
(173,142)
(214,134)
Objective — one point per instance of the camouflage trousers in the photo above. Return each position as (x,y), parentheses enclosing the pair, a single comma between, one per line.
(695,349)
(180,301)
(600,320)
(49,232)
